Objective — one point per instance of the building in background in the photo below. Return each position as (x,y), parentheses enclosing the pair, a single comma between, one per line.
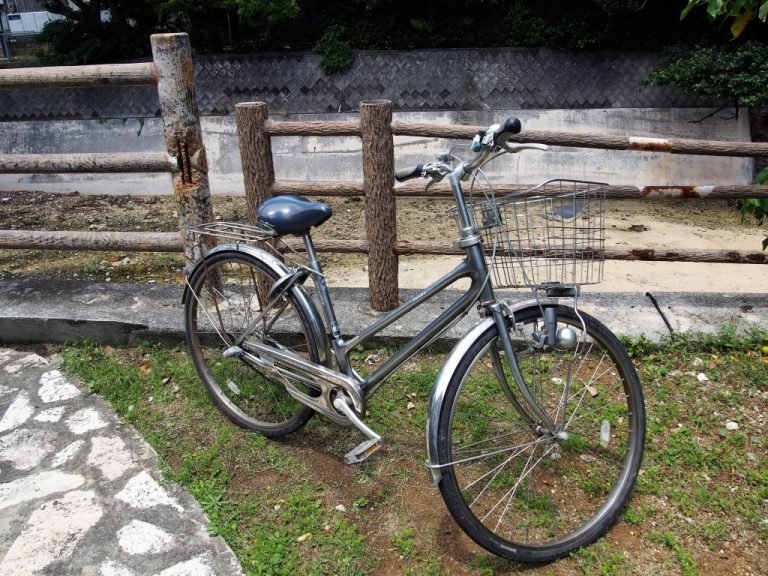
(20,22)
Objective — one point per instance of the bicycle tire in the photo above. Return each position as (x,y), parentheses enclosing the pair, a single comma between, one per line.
(526,496)
(225,294)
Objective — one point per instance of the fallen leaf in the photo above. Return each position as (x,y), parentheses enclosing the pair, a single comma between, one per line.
(304,537)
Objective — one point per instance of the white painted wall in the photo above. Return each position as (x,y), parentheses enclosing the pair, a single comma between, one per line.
(339,159)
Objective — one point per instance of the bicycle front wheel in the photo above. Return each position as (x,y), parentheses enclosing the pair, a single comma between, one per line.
(516,490)
(227,297)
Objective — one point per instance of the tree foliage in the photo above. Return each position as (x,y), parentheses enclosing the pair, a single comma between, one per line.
(337,27)
(738,74)
(758,207)
(741,74)
(96,31)
(743,11)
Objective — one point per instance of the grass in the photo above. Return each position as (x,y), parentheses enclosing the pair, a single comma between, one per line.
(291,506)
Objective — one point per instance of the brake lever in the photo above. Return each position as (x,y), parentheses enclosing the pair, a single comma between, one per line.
(434,179)
(513,148)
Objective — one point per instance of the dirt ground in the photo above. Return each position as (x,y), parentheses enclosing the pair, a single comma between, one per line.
(712,224)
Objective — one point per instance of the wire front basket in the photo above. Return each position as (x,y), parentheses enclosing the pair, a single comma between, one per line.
(551,234)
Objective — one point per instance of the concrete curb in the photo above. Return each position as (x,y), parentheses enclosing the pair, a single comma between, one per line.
(37,311)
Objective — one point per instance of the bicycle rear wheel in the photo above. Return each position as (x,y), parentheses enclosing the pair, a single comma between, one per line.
(227,296)
(517,491)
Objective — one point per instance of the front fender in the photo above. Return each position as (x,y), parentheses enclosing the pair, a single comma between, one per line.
(446,373)
(278,267)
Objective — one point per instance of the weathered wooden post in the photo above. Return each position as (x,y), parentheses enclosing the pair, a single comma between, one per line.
(255,154)
(380,209)
(175,72)
(256,158)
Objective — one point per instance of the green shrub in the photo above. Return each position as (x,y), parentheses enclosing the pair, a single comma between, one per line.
(737,74)
(336,51)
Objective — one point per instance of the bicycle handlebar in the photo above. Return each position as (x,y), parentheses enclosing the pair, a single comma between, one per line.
(496,137)
(405,174)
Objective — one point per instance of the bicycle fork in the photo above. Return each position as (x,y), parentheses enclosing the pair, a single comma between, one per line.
(547,424)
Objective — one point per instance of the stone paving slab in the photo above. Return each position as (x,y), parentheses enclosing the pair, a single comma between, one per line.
(80,491)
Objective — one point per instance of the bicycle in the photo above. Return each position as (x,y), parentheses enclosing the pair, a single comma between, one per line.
(536,422)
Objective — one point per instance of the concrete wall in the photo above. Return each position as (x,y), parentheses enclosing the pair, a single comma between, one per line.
(315,159)
(414,80)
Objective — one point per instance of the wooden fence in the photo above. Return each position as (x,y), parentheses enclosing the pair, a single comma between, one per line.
(172,71)
(376,130)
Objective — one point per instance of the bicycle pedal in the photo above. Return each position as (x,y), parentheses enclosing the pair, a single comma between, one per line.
(363,451)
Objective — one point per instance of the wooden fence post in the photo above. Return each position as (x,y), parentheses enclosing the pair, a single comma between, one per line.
(255,154)
(175,72)
(380,209)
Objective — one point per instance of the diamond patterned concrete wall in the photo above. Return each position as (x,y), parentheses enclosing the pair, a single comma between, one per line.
(485,79)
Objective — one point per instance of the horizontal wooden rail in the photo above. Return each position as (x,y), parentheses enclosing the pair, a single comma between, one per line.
(443,189)
(405,247)
(313,128)
(171,242)
(172,71)
(594,140)
(76,240)
(318,188)
(86,163)
(73,76)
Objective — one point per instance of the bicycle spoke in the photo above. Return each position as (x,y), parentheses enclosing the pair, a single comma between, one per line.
(517,484)
(227,300)
(495,453)
(526,473)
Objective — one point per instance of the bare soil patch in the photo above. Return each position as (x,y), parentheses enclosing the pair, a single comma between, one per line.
(712,224)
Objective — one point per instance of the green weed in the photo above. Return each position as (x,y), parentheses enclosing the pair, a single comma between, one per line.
(683,556)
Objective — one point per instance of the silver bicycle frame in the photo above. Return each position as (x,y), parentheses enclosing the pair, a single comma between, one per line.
(473,267)
(360,389)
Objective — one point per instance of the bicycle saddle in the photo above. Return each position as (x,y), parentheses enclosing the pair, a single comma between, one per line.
(293,214)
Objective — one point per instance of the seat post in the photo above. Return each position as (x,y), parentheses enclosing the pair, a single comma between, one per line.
(322,287)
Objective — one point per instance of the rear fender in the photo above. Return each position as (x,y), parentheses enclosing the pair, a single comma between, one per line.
(297,290)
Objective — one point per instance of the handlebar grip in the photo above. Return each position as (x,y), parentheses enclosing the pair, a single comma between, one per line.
(409,173)
(512,125)
(498,134)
